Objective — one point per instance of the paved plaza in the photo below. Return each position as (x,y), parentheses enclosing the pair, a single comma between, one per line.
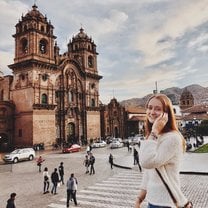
(118,187)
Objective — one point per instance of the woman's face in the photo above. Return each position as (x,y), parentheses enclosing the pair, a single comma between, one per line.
(154,109)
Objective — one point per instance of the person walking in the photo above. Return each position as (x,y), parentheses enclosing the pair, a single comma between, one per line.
(86,163)
(127,144)
(135,154)
(54,180)
(136,159)
(10,201)
(71,190)
(92,162)
(160,156)
(46,181)
(61,172)
(111,160)
(40,160)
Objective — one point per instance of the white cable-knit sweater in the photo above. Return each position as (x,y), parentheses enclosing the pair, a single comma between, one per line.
(165,154)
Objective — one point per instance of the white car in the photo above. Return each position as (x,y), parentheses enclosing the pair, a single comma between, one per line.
(137,139)
(19,155)
(116,144)
(99,144)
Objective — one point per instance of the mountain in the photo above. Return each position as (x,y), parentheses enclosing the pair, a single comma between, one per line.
(199,93)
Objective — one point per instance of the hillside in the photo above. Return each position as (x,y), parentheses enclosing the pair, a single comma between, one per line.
(199,93)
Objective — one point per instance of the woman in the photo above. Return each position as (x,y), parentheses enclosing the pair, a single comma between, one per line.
(40,160)
(163,149)
(45,181)
(86,163)
(111,160)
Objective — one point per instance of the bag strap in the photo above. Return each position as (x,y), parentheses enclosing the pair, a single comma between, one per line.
(167,187)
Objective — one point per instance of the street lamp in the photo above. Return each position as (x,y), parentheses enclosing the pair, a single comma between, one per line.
(195,123)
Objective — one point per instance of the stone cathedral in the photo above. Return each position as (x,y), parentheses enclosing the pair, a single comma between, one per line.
(50,97)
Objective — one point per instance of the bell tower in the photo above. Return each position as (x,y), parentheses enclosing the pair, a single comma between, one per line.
(33,88)
(83,49)
(34,39)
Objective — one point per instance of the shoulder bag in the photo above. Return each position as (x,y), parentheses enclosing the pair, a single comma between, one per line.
(187,205)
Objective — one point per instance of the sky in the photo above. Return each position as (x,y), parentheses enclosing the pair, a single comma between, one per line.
(140,42)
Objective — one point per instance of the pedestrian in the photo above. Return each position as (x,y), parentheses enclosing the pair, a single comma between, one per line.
(46,181)
(88,150)
(61,172)
(127,144)
(54,180)
(135,156)
(86,163)
(111,160)
(136,159)
(92,162)
(40,160)
(90,147)
(10,201)
(71,190)
(160,156)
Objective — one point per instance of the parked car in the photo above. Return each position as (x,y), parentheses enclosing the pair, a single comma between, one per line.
(71,148)
(137,139)
(116,144)
(19,155)
(99,144)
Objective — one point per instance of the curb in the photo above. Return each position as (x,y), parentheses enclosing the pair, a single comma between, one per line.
(193,173)
(121,166)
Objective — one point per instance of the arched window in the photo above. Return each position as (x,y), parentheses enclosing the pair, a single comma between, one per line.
(44,99)
(70,96)
(24,45)
(92,102)
(42,28)
(90,61)
(43,46)
(25,28)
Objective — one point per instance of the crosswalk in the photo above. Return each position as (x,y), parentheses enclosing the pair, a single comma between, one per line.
(118,191)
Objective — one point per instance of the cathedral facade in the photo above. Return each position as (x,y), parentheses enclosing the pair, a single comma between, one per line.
(50,97)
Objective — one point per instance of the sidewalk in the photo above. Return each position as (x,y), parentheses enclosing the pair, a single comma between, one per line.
(193,163)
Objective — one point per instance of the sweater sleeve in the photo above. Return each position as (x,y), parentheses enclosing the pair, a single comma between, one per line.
(154,154)
(144,180)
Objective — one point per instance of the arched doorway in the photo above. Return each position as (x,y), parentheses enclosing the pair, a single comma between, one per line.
(116,132)
(4,142)
(71,133)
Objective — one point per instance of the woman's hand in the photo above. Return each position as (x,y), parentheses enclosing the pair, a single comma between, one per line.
(159,123)
(138,203)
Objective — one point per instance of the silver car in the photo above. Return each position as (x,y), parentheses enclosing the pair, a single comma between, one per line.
(99,144)
(19,155)
(116,144)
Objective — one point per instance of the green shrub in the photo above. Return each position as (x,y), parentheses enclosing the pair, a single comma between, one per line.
(202,149)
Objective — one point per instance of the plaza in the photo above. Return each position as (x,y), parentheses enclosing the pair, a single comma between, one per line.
(118,187)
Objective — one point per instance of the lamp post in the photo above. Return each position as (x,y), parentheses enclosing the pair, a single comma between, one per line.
(195,130)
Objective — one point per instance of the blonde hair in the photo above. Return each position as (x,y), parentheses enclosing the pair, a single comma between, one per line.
(171,125)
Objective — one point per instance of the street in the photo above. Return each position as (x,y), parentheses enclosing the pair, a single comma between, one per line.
(118,187)
(27,182)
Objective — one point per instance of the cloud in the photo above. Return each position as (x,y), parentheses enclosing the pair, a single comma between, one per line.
(178,19)
(139,42)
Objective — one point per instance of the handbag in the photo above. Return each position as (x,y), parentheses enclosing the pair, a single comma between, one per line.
(171,194)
